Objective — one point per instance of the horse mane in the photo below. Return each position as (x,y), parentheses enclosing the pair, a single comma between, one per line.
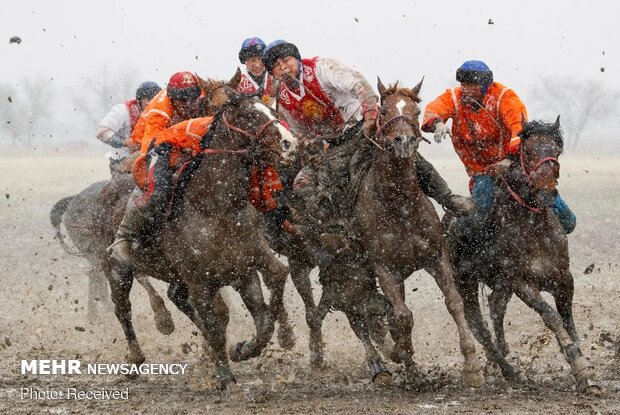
(537,127)
(394,89)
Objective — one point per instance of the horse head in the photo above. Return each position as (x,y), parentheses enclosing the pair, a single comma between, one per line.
(398,127)
(541,146)
(250,124)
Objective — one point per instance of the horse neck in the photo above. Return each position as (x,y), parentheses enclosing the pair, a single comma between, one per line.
(220,183)
(394,179)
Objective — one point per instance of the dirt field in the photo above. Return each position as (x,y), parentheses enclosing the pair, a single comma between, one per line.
(43,298)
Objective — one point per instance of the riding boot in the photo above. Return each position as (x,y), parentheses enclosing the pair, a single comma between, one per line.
(148,211)
(128,231)
(434,186)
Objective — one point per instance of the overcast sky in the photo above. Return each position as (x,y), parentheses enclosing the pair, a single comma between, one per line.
(394,39)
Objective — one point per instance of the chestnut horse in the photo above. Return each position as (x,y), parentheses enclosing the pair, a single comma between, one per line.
(524,251)
(400,231)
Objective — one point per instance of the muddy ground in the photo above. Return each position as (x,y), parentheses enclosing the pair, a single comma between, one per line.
(43,296)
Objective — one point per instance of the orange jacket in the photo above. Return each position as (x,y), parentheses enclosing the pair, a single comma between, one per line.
(185,135)
(156,117)
(480,138)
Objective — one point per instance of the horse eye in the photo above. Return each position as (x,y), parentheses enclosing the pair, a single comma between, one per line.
(286,144)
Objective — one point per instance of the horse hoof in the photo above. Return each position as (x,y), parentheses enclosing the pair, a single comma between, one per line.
(588,387)
(382,379)
(164,322)
(473,379)
(286,337)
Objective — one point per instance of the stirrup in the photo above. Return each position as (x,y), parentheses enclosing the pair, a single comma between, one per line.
(114,250)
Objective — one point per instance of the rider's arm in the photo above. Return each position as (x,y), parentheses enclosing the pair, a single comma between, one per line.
(512,111)
(439,110)
(114,128)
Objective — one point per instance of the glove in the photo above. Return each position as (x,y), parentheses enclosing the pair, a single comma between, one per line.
(441,130)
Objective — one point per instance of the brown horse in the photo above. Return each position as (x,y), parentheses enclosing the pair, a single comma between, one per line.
(400,231)
(522,250)
(217,238)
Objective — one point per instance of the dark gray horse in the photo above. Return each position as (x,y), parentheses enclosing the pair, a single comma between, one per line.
(78,216)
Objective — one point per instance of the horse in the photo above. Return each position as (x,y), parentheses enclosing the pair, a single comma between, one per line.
(400,231)
(525,252)
(77,214)
(216,239)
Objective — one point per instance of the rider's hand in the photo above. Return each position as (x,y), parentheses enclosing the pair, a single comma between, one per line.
(441,131)
(498,169)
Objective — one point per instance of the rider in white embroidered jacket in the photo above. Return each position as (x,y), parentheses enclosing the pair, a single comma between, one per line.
(348,91)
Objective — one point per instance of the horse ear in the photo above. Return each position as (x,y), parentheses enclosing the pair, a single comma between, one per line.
(382,89)
(204,85)
(557,123)
(234,81)
(416,89)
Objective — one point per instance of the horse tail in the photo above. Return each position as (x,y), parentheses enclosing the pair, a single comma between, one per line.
(56,214)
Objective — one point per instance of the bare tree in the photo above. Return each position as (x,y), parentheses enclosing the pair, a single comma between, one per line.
(579,103)
(26,113)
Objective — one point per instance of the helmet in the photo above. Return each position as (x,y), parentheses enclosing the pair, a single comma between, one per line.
(279,49)
(147,90)
(251,47)
(475,72)
(183,86)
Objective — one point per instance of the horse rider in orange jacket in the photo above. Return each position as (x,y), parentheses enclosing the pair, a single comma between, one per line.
(486,122)
(179,101)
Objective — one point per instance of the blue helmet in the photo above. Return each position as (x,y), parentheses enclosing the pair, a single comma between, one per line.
(475,72)
(279,49)
(147,90)
(251,47)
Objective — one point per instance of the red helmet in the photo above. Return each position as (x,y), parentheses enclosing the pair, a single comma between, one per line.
(183,86)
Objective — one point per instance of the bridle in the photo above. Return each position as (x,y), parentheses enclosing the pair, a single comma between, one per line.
(528,175)
(381,127)
(252,136)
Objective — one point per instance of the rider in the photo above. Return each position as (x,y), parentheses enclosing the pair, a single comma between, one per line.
(180,101)
(329,105)
(254,76)
(117,126)
(486,122)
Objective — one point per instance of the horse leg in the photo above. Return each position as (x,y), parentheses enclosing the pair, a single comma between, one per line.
(252,296)
(300,274)
(163,318)
(579,366)
(400,320)
(442,272)
(378,309)
(201,298)
(275,275)
(315,323)
(178,293)
(563,296)
(121,280)
(468,287)
(498,303)
(378,371)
